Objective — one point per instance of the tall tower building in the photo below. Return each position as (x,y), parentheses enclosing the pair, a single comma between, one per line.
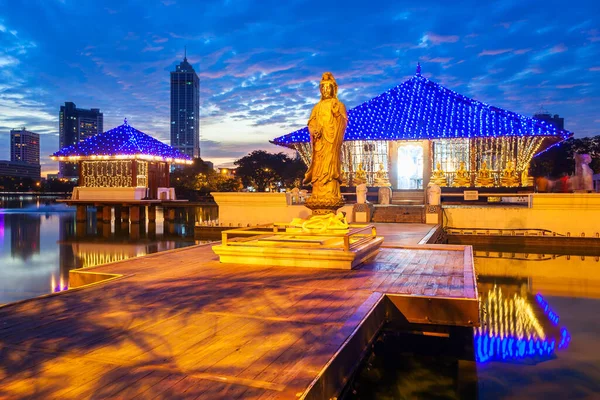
(185,109)
(24,146)
(76,125)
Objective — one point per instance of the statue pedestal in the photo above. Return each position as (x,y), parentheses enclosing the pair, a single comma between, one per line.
(283,248)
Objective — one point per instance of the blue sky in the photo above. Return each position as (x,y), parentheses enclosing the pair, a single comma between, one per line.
(259,62)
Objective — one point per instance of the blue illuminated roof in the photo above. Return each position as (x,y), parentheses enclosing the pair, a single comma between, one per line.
(422,109)
(124,141)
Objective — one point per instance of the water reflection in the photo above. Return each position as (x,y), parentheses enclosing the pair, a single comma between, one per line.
(538,336)
(40,242)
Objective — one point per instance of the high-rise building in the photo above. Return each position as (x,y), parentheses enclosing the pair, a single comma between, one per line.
(76,125)
(185,109)
(24,146)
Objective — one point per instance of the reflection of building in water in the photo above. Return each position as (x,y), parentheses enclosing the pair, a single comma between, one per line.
(94,254)
(515,327)
(86,255)
(24,237)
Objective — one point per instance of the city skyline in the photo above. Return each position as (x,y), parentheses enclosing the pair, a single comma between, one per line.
(259,66)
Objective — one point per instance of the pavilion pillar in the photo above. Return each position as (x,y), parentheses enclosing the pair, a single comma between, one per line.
(134,215)
(427,163)
(152,230)
(80,229)
(98,214)
(151,213)
(106,213)
(169,214)
(143,213)
(125,214)
(106,229)
(81,213)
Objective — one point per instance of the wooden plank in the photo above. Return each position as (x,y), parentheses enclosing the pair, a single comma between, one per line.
(180,324)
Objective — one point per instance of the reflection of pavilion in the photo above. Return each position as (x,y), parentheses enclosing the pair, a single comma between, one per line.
(515,326)
(416,125)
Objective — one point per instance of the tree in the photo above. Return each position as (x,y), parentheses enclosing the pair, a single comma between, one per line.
(263,170)
(560,159)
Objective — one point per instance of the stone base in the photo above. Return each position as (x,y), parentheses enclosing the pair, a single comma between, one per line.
(299,251)
(324,207)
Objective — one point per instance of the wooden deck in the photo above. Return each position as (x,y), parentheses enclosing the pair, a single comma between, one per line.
(181,325)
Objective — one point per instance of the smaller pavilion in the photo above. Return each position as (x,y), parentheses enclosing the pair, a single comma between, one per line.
(122,163)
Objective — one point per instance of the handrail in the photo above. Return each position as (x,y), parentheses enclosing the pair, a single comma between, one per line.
(355,230)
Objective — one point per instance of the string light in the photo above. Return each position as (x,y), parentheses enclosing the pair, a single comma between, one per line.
(422,109)
(122,142)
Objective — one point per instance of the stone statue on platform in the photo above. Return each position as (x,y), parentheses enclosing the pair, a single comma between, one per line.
(484,176)
(461,177)
(326,126)
(438,177)
(360,176)
(381,177)
(509,178)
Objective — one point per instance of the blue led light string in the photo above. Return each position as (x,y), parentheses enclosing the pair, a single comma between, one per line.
(124,140)
(422,109)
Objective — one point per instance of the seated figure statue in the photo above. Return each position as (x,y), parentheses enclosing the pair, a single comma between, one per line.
(381,178)
(509,177)
(484,176)
(360,176)
(438,177)
(343,177)
(526,180)
(461,177)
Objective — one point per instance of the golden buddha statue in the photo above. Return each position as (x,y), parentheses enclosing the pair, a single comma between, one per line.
(526,180)
(343,177)
(484,176)
(381,177)
(438,176)
(509,178)
(461,177)
(360,175)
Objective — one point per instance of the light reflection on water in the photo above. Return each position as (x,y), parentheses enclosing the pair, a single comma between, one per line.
(40,242)
(539,337)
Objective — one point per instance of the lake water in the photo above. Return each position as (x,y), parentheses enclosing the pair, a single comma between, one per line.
(40,242)
(540,336)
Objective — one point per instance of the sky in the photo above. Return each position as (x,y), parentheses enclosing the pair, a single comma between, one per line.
(260,62)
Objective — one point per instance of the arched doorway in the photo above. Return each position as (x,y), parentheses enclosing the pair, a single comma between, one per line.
(410,166)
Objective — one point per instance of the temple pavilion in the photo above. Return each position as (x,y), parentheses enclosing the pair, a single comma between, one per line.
(122,163)
(420,132)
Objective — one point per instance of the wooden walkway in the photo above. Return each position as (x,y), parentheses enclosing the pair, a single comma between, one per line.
(181,325)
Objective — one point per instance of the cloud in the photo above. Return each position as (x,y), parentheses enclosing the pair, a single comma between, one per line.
(435,39)
(571,85)
(523,51)
(559,48)
(152,48)
(494,52)
(595,68)
(441,60)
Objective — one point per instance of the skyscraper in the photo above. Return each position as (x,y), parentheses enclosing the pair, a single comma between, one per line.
(24,146)
(185,109)
(76,125)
